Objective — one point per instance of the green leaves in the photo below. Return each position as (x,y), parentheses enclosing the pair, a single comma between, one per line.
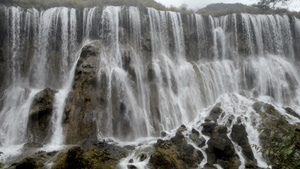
(283,150)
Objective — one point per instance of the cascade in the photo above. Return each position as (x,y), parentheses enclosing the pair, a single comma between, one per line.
(143,78)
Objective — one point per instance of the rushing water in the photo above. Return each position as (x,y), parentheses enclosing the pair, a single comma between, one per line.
(146,68)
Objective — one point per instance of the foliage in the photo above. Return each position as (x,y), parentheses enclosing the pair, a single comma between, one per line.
(268,4)
(284,148)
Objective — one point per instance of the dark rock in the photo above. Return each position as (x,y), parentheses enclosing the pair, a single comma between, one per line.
(182,128)
(103,155)
(216,112)
(131,161)
(163,134)
(29,163)
(195,137)
(292,112)
(175,153)
(33,145)
(131,167)
(208,128)
(209,166)
(82,105)
(143,157)
(208,119)
(39,121)
(239,135)
(221,150)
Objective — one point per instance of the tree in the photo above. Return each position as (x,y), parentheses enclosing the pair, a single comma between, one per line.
(268,4)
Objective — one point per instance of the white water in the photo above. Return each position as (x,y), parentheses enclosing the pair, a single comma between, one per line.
(180,88)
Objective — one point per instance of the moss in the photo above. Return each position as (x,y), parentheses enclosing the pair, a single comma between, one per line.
(166,157)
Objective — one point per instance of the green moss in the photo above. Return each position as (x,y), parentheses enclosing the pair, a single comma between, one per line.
(166,157)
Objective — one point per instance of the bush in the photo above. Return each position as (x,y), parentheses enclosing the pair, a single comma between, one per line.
(284,149)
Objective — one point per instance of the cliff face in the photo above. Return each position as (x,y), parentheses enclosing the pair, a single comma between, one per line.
(129,73)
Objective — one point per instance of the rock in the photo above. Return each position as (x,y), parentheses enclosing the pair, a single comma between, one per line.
(82,105)
(163,134)
(175,153)
(102,155)
(195,137)
(208,119)
(29,163)
(208,128)
(220,149)
(292,112)
(216,112)
(239,135)
(33,145)
(132,167)
(209,166)
(131,161)
(39,121)
(143,157)
(182,128)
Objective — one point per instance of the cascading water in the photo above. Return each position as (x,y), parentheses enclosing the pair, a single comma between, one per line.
(147,79)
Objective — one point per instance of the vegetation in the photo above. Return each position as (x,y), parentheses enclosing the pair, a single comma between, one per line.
(284,149)
(268,4)
(221,9)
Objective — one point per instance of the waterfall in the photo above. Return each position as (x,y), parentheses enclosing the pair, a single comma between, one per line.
(147,81)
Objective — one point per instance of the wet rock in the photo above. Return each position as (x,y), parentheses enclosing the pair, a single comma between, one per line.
(209,166)
(32,145)
(132,167)
(208,128)
(39,121)
(163,134)
(195,137)
(239,135)
(208,119)
(29,163)
(143,157)
(82,104)
(182,128)
(216,112)
(292,112)
(175,153)
(221,150)
(102,155)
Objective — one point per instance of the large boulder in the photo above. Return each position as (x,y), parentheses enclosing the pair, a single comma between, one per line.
(81,104)
(240,136)
(101,155)
(175,153)
(39,121)
(221,150)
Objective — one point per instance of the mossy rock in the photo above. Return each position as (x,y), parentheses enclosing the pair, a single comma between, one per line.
(166,156)
(28,163)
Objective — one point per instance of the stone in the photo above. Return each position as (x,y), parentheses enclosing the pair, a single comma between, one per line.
(216,112)
(82,105)
(208,128)
(29,163)
(292,112)
(240,136)
(195,137)
(208,119)
(182,128)
(221,150)
(175,153)
(39,120)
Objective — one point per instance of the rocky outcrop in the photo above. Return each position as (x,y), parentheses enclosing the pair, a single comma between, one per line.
(239,135)
(39,121)
(102,155)
(81,105)
(220,149)
(175,153)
